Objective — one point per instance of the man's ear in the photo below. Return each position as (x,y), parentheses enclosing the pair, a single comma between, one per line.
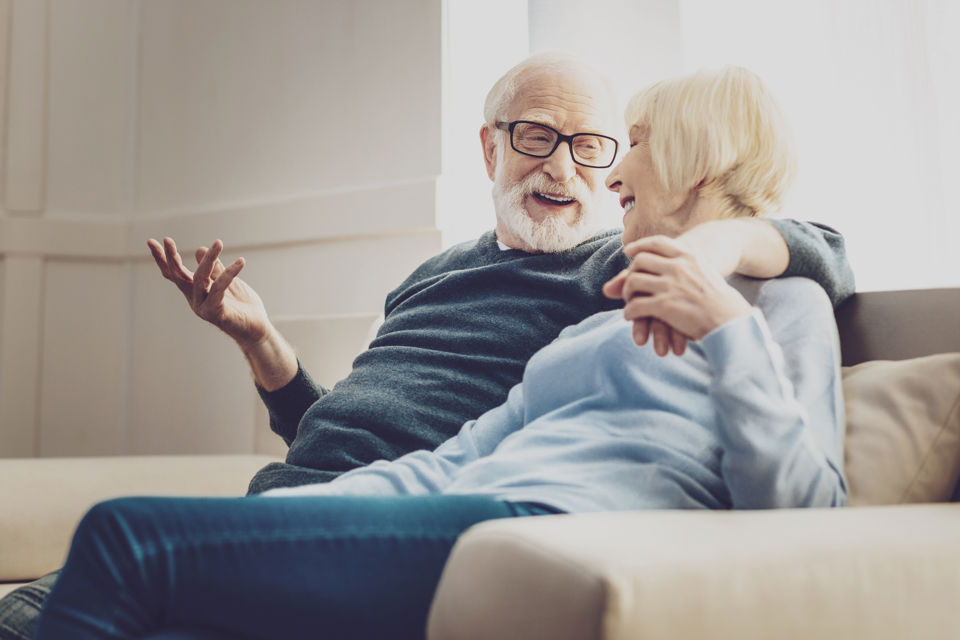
(488,139)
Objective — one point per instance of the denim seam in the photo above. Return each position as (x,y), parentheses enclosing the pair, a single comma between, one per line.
(143,550)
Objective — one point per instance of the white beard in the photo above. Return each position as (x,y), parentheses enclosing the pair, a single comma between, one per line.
(552,234)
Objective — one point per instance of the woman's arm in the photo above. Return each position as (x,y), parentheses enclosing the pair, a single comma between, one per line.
(425,472)
(817,252)
(776,389)
(779,407)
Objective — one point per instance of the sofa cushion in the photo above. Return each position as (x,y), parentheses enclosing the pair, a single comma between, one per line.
(903,430)
(883,573)
(42,499)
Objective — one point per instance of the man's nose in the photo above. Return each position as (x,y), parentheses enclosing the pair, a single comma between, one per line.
(560,165)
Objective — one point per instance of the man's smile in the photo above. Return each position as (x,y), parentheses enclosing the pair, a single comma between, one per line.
(554,199)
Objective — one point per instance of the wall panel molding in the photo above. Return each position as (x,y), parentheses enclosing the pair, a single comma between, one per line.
(62,238)
(329,216)
(27,106)
(20,345)
(4,91)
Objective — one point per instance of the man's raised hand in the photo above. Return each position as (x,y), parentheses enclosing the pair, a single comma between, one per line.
(214,291)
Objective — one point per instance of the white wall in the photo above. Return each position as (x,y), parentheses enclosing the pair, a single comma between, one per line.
(91,109)
(84,359)
(471,67)
(870,88)
(634,42)
(3,285)
(304,134)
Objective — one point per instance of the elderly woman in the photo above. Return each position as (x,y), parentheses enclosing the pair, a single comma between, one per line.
(749,416)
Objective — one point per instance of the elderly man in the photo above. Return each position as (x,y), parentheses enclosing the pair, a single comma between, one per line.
(459,330)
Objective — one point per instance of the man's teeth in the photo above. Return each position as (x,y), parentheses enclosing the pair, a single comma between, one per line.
(628,205)
(557,199)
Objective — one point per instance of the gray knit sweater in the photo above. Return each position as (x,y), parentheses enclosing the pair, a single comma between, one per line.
(456,336)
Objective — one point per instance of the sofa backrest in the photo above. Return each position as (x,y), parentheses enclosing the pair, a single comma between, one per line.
(896,325)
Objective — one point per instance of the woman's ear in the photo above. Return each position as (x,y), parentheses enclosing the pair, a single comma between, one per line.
(488,137)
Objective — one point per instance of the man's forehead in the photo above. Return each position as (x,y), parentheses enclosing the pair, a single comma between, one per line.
(562,105)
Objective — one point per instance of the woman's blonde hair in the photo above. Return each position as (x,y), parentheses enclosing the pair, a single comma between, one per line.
(719,131)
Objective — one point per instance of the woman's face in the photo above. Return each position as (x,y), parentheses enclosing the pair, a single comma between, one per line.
(649,207)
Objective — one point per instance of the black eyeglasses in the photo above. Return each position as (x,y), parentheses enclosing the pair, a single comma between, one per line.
(540,141)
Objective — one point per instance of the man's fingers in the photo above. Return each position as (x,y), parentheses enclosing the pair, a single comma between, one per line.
(641,331)
(157,251)
(613,288)
(162,255)
(217,264)
(640,307)
(177,271)
(661,337)
(223,280)
(660,245)
(201,279)
(650,263)
(678,342)
(218,269)
(639,284)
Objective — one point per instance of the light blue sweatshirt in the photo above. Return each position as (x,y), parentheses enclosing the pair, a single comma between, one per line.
(751,416)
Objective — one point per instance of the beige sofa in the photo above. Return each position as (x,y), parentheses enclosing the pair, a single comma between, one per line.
(43,499)
(888,568)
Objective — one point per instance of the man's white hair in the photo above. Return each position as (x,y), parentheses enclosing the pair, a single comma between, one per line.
(504,91)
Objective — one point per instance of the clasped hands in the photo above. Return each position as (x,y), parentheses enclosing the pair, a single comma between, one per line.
(675,289)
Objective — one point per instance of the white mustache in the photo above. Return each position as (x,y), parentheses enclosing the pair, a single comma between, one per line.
(542,183)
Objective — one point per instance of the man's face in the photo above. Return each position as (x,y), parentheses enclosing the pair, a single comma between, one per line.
(548,204)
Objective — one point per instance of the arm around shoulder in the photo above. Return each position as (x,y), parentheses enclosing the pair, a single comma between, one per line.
(817,252)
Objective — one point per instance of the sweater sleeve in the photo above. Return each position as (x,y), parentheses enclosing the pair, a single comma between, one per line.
(426,472)
(287,404)
(779,406)
(817,252)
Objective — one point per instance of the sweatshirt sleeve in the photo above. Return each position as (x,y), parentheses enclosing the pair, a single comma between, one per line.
(779,404)
(287,404)
(426,472)
(817,252)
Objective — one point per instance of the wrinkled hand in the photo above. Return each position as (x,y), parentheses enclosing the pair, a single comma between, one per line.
(674,294)
(214,292)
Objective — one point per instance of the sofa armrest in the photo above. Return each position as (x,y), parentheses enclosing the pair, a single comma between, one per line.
(878,572)
(43,499)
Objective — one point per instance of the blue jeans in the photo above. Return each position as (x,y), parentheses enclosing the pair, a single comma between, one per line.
(332,567)
(20,609)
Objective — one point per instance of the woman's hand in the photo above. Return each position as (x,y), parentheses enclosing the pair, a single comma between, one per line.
(669,290)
